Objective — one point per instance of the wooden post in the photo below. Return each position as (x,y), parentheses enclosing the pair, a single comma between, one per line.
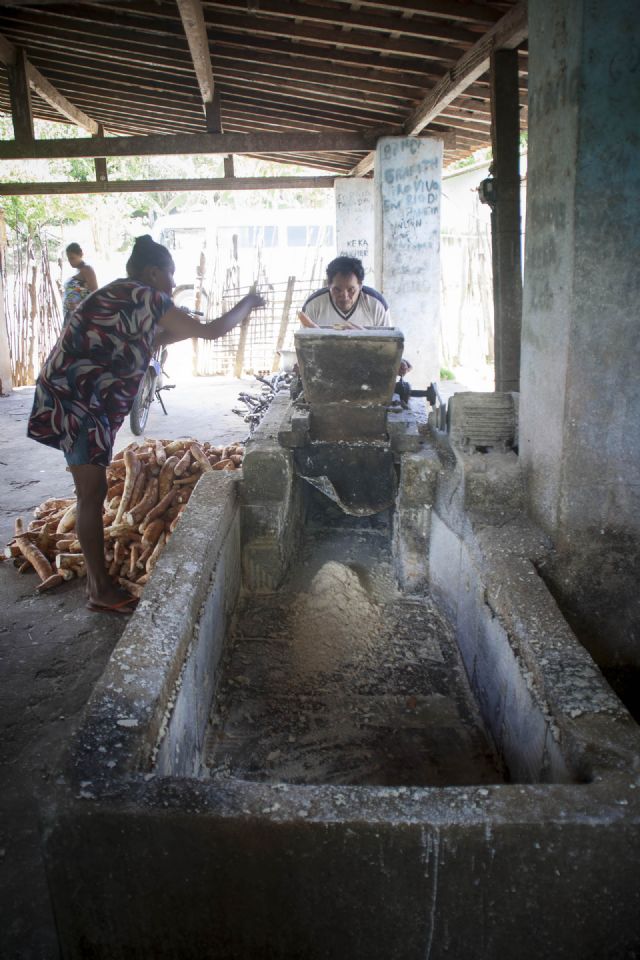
(213,117)
(6,375)
(32,283)
(20,94)
(100,163)
(284,322)
(505,219)
(197,306)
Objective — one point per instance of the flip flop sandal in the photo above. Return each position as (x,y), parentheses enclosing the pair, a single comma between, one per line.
(123,607)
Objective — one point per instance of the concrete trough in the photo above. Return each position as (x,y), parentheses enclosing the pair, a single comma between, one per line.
(149,857)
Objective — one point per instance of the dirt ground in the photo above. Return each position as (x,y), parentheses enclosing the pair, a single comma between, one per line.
(52,649)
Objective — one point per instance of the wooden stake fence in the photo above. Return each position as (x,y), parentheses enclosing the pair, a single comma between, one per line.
(33,309)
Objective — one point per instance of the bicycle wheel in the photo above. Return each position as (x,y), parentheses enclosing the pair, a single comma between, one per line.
(185,296)
(142,403)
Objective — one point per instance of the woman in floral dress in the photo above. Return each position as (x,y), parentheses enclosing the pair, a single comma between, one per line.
(88,384)
(80,285)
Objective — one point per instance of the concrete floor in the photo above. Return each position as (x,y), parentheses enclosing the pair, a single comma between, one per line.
(52,649)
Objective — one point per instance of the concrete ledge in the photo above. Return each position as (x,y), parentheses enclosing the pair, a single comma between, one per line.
(551,713)
(131,708)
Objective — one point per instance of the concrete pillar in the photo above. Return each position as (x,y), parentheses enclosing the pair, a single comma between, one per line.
(355,226)
(408,175)
(580,389)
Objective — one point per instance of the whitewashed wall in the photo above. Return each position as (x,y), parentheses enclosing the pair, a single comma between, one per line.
(355,222)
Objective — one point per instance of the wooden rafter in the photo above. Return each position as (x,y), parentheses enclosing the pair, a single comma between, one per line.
(195,29)
(467,12)
(325,15)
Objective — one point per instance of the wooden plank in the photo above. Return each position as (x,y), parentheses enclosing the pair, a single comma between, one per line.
(354,18)
(507,33)
(177,144)
(347,118)
(175,185)
(505,221)
(159,33)
(123,49)
(357,39)
(463,12)
(447,9)
(392,63)
(370,76)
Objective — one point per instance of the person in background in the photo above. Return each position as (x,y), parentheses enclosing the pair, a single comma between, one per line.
(78,287)
(88,384)
(345,303)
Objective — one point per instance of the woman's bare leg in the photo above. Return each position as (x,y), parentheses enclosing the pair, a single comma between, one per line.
(91,489)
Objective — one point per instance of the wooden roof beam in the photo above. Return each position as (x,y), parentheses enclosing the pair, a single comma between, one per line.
(178,144)
(467,12)
(195,29)
(172,185)
(507,34)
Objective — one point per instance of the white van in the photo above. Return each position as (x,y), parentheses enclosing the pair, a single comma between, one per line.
(258,244)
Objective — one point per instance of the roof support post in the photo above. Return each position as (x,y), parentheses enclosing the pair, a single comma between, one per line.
(100,163)
(20,94)
(213,117)
(505,219)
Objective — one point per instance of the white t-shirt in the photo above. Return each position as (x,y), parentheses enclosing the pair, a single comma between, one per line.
(370,309)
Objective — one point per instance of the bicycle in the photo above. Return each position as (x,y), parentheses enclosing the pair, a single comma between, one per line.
(150,388)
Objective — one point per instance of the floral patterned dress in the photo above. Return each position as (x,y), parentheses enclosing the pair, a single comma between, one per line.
(93,372)
(75,291)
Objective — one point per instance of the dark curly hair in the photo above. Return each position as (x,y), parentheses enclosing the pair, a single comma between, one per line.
(345,266)
(147,253)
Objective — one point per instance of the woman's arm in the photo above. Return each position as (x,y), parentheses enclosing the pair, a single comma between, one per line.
(177,324)
(88,274)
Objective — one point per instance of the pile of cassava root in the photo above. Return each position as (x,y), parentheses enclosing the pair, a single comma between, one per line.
(149,485)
